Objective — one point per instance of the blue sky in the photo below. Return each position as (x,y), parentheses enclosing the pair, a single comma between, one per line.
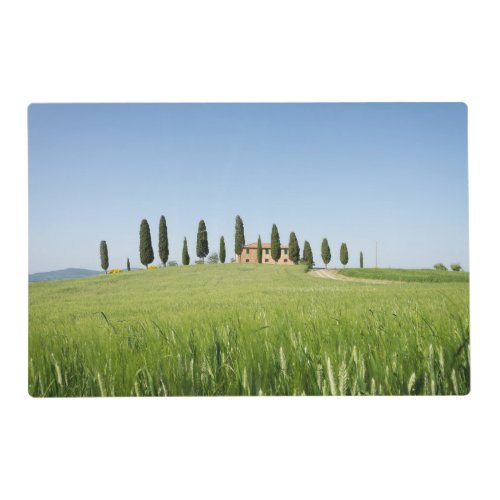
(355,173)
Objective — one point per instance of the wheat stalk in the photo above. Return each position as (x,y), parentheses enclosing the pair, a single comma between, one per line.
(454,381)
(411,382)
(331,378)
(342,378)
(282,361)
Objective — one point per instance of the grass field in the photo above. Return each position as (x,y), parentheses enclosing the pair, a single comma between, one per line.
(410,275)
(246,330)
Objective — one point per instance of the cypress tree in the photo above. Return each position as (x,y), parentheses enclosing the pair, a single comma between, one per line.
(344,255)
(239,237)
(259,250)
(361,260)
(128,264)
(104,256)
(307,256)
(202,241)
(163,241)
(145,248)
(275,244)
(185,254)
(293,248)
(222,250)
(325,252)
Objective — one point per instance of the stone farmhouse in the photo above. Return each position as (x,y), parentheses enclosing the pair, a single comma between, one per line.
(249,254)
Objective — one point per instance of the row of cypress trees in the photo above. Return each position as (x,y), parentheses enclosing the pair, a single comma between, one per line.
(146,248)
(146,252)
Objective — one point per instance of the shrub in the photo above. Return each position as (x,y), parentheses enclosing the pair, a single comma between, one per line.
(440,267)
(213,258)
(152,267)
(115,271)
(308,263)
(172,263)
(456,267)
(200,261)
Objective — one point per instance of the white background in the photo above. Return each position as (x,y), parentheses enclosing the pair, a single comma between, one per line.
(390,448)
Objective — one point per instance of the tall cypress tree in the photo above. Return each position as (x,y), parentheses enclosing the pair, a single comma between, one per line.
(259,250)
(202,241)
(239,237)
(103,248)
(361,260)
(145,247)
(163,241)
(293,248)
(325,252)
(222,250)
(344,255)
(128,264)
(275,244)
(185,254)
(307,256)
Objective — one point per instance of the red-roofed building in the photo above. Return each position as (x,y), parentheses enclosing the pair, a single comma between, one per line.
(249,254)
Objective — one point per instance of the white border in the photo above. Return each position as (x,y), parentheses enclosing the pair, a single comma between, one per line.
(389,448)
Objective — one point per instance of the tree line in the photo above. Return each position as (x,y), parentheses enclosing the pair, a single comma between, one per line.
(146,253)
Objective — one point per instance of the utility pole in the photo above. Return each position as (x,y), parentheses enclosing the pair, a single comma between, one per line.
(376,254)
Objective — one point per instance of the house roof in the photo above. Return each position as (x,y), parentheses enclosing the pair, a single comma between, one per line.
(264,245)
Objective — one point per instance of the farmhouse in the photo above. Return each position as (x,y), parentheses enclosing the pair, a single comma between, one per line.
(249,254)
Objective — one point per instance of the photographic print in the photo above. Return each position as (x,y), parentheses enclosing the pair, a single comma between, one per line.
(248,249)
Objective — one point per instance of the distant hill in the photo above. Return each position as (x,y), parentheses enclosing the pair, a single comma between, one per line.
(63,274)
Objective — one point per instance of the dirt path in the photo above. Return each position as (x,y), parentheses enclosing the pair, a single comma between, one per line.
(333,274)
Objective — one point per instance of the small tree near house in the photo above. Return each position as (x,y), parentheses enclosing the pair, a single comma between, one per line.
(213,258)
(259,250)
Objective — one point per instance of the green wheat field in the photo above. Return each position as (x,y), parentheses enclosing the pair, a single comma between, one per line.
(232,329)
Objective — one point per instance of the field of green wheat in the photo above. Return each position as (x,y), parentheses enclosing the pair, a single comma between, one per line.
(246,330)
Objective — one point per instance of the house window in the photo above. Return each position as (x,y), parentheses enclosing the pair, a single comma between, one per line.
(267,252)
(286,260)
(267,260)
(248,251)
(286,252)
(247,260)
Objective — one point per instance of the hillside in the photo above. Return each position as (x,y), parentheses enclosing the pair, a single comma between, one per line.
(63,274)
(409,275)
